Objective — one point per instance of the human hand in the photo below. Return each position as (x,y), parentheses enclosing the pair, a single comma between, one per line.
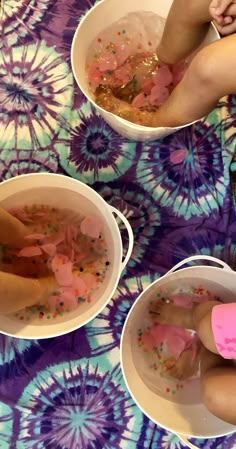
(223,11)
(225,30)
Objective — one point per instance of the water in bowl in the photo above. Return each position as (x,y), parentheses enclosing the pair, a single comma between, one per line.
(151,348)
(124,72)
(62,243)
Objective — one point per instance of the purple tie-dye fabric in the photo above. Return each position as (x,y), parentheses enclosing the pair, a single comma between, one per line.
(68,392)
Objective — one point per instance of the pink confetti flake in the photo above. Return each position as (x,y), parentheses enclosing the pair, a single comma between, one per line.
(49,248)
(63,274)
(175,338)
(56,238)
(91,226)
(35,237)
(178,156)
(30,251)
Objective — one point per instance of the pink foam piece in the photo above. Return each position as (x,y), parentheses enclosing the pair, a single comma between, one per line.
(158,95)
(182,300)
(67,293)
(122,53)
(91,226)
(35,237)
(140,101)
(163,77)
(107,61)
(79,285)
(158,332)
(58,260)
(175,345)
(175,338)
(187,300)
(177,156)
(63,274)
(30,251)
(49,248)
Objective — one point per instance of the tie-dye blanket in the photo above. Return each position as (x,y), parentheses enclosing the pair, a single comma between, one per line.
(68,392)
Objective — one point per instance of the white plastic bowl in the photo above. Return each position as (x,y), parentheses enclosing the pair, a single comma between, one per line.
(64,192)
(103,14)
(187,417)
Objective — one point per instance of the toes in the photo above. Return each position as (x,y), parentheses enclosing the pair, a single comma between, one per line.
(169,365)
(157,312)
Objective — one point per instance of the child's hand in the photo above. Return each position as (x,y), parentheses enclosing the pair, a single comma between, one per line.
(227,29)
(219,10)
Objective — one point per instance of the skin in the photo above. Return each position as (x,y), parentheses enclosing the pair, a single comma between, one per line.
(210,76)
(17,292)
(220,12)
(217,375)
(12,231)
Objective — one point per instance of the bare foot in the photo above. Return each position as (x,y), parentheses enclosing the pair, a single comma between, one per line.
(186,366)
(170,314)
(110,103)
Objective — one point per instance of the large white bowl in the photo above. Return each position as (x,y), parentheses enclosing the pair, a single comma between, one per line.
(64,192)
(187,417)
(103,14)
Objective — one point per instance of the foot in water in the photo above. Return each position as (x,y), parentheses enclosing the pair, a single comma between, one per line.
(165,313)
(186,366)
(106,100)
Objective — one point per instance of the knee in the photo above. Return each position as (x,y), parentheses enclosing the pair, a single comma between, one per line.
(201,69)
(219,400)
(202,75)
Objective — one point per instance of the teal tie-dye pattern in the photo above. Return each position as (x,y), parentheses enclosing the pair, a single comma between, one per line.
(68,392)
